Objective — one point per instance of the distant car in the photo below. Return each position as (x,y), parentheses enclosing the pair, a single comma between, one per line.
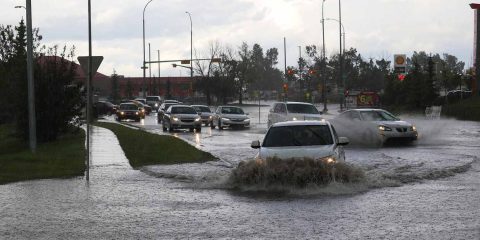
(229,116)
(172,101)
(154,102)
(302,139)
(163,108)
(104,108)
(205,113)
(292,111)
(146,109)
(181,117)
(128,111)
(374,126)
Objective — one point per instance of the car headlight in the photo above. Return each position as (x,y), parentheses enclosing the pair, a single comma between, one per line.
(294,119)
(384,128)
(247,120)
(156,104)
(413,128)
(136,113)
(210,117)
(122,113)
(143,110)
(329,160)
(175,119)
(197,119)
(225,119)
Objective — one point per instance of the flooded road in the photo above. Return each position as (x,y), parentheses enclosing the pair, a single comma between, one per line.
(429,190)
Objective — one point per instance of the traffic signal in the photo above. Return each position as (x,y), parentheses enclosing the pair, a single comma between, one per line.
(285,87)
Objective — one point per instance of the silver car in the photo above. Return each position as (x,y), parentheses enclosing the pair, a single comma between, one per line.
(205,113)
(229,116)
(374,125)
(302,139)
(181,117)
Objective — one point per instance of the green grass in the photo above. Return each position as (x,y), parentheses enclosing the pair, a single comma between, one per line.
(468,109)
(143,148)
(63,158)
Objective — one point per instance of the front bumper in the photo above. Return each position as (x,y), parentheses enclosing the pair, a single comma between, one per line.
(235,123)
(186,124)
(395,134)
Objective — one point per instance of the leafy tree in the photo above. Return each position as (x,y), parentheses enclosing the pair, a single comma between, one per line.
(115,96)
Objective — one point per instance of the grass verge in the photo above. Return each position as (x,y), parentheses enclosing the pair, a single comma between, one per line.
(468,109)
(143,148)
(63,158)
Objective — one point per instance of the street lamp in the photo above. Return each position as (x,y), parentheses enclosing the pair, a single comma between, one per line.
(341,56)
(191,45)
(32,133)
(143,66)
(323,64)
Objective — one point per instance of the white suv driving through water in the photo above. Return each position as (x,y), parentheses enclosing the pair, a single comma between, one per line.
(292,111)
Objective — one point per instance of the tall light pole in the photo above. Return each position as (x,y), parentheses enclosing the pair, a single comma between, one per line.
(341,54)
(32,128)
(191,46)
(324,92)
(340,26)
(143,66)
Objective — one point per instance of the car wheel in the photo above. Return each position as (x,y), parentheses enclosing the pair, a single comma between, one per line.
(198,129)
(211,125)
(220,125)
(170,128)
(191,129)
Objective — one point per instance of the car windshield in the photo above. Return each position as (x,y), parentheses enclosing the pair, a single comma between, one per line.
(377,116)
(128,107)
(302,108)
(202,109)
(183,110)
(141,100)
(152,98)
(308,135)
(167,105)
(232,110)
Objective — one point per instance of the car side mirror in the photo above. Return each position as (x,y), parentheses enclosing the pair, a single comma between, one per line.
(342,141)
(255,144)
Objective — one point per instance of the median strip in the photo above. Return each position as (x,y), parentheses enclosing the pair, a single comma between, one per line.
(143,148)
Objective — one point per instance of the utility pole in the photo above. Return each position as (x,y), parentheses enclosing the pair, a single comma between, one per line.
(342,79)
(285,57)
(324,92)
(158,81)
(143,66)
(32,133)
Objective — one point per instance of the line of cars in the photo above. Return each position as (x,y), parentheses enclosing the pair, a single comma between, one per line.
(173,115)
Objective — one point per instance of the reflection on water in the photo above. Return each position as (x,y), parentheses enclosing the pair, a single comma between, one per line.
(197,139)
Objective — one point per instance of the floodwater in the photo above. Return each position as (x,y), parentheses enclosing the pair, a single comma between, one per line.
(429,190)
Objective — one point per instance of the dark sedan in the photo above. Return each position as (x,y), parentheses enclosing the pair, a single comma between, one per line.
(128,111)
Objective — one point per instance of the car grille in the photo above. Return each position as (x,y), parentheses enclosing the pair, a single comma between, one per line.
(402,129)
(187,120)
(236,120)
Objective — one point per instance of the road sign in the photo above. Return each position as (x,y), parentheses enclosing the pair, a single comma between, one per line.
(96,61)
(400,63)
(185,62)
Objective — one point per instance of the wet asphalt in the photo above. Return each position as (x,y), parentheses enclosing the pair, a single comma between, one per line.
(429,190)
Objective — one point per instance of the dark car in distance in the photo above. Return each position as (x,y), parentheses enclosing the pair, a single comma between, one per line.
(104,108)
(128,111)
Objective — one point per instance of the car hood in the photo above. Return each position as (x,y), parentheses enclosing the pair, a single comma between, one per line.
(314,152)
(304,116)
(188,116)
(394,124)
(234,116)
(206,114)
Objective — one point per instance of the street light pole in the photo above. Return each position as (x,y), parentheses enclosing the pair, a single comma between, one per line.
(191,46)
(324,92)
(31,86)
(32,128)
(143,66)
(340,52)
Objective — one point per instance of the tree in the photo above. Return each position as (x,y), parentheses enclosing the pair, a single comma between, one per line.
(115,96)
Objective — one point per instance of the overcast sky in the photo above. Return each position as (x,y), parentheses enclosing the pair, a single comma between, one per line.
(376,28)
